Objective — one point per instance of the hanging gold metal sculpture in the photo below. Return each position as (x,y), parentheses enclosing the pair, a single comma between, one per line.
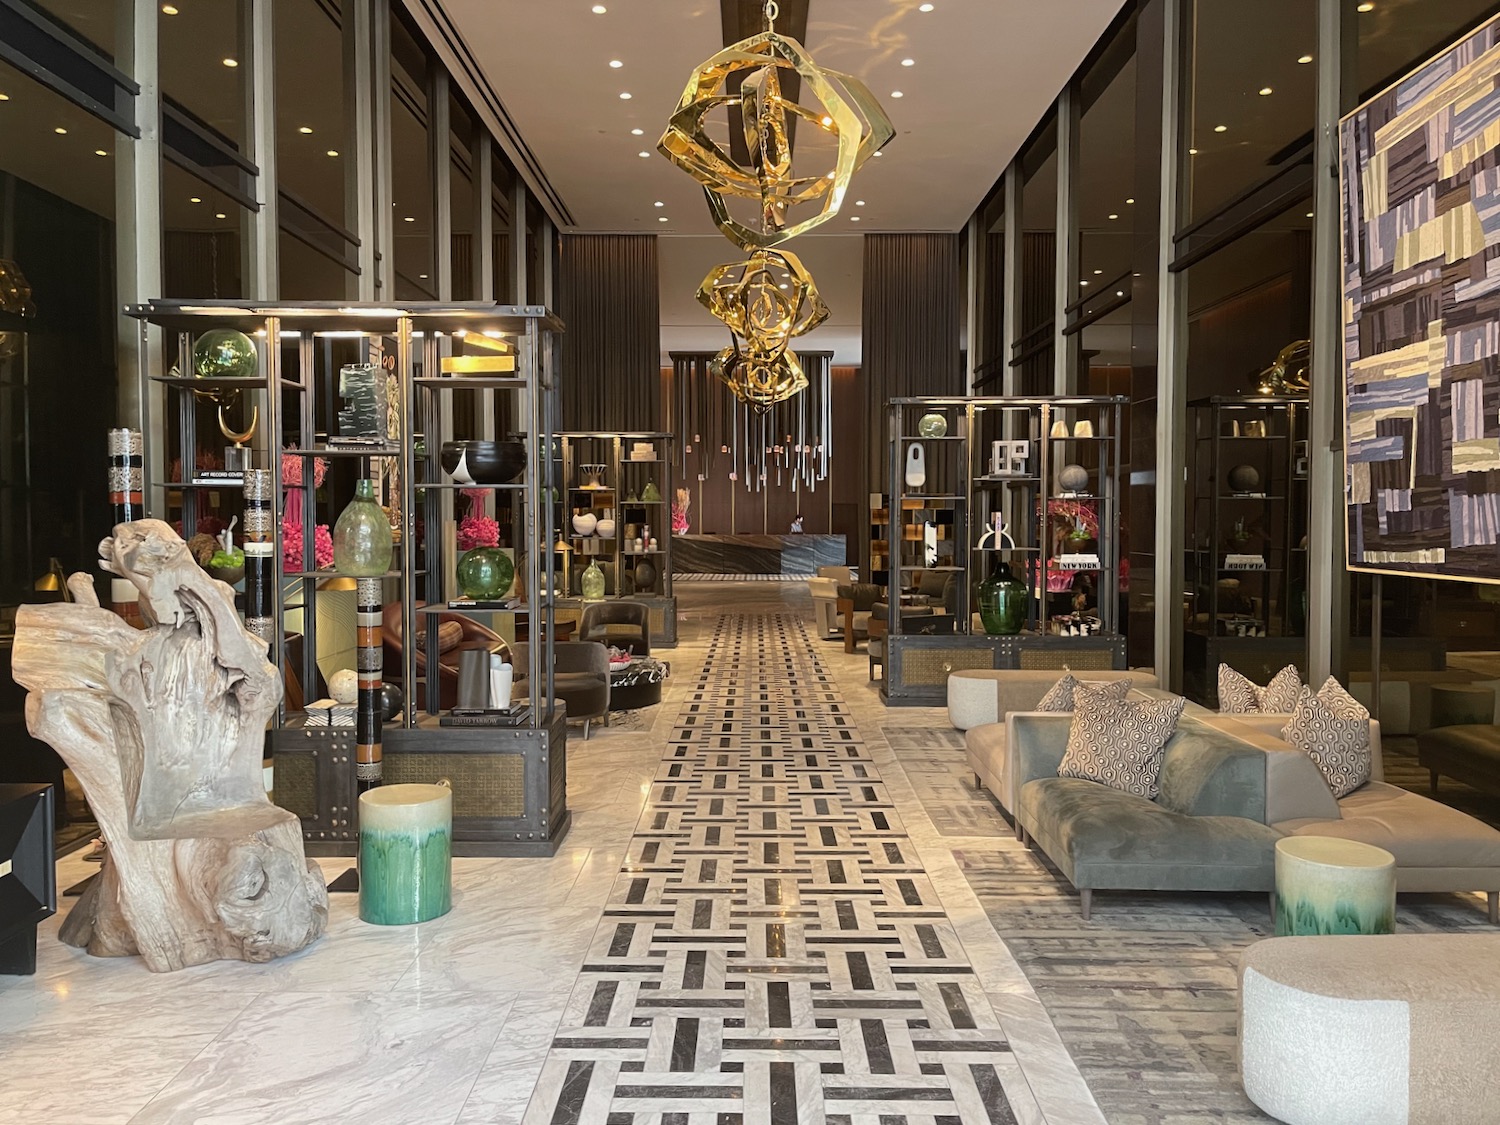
(763,311)
(849,113)
(770,297)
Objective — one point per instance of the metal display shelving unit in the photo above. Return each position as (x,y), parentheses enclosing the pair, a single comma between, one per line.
(509,783)
(953,508)
(624,477)
(1246,562)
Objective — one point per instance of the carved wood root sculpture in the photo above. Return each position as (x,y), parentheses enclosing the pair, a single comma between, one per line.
(164,729)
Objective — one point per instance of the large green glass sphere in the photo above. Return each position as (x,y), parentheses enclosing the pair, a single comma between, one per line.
(485,573)
(1002,603)
(223,353)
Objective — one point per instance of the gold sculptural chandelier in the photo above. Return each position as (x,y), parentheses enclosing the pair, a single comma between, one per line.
(769,298)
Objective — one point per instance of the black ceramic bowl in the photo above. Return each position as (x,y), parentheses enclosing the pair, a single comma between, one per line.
(486,462)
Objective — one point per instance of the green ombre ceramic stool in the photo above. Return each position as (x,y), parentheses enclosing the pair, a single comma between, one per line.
(1327,885)
(405,854)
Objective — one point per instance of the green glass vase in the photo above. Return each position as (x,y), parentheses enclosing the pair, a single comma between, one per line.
(223,353)
(1002,602)
(650,494)
(362,536)
(591,583)
(485,573)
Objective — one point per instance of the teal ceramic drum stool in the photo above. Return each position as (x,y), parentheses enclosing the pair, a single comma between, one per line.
(1325,885)
(405,854)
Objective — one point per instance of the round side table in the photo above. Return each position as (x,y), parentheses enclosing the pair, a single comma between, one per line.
(1327,885)
(405,854)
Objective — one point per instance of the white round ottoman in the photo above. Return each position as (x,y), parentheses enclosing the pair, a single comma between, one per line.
(973,698)
(1386,1030)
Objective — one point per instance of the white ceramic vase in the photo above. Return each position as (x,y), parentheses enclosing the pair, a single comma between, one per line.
(916,466)
(584,523)
(605,529)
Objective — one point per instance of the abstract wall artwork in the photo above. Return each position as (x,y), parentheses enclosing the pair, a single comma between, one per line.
(1420,181)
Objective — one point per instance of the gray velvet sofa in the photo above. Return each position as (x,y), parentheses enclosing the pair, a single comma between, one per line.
(1230,788)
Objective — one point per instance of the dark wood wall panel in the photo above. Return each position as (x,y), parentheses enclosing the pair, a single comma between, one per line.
(610,301)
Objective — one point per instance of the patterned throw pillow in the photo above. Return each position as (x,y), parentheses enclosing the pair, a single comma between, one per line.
(1333,729)
(1240,696)
(1119,742)
(1060,696)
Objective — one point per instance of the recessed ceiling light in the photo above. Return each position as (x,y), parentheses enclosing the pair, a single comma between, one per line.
(897,94)
(1192,152)
(1113,215)
(859,203)
(304,128)
(624,95)
(643,153)
(1130,201)
(854,218)
(1221,128)
(662,219)
(615,64)
(60,131)
(100,152)
(1266,91)
(1119,292)
(908,62)
(220,215)
(195,199)
(4,97)
(1309,214)
(659,203)
(421,277)
(231,62)
(925,7)
(409,219)
(1305,59)
(782,285)
(600,9)
(637,132)
(879,152)
(168,10)
(827,121)
(1098,272)
(1365,7)
(1083,283)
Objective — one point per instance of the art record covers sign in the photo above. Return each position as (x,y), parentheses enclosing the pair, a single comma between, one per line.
(1419,169)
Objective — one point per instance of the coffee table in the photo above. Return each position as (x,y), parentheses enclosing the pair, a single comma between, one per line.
(630,691)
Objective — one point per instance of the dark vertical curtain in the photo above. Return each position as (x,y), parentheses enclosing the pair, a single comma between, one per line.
(609,301)
(912,292)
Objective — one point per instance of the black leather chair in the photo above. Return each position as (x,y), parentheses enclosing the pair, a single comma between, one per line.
(622,623)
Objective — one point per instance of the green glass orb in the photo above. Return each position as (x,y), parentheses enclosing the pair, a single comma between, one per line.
(485,573)
(932,425)
(223,353)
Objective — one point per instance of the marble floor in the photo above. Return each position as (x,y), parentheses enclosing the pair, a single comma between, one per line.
(817,951)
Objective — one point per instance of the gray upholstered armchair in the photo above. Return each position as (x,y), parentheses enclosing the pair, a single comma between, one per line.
(622,623)
(825,598)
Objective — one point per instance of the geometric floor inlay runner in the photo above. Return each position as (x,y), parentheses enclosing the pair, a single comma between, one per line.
(772,950)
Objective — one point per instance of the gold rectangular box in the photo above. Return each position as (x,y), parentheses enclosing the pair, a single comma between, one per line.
(478,364)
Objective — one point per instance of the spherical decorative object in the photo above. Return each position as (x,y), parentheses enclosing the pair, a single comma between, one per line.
(1244,478)
(391,701)
(1003,603)
(585,524)
(485,573)
(223,353)
(605,529)
(932,425)
(645,575)
(483,462)
(343,685)
(1073,478)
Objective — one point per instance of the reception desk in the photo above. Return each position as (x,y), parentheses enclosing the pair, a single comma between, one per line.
(795,556)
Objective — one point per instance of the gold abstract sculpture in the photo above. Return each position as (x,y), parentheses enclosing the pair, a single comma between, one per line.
(757,304)
(763,311)
(849,114)
(1289,374)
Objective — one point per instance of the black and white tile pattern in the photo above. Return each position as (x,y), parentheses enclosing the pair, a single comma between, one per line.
(773,949)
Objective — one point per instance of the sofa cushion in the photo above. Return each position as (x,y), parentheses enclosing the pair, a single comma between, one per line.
(1102,837)
(863,594)
(1119,742)
(1417,831)
(1333,729)
(1059,696)
(450,636)
(1238,695)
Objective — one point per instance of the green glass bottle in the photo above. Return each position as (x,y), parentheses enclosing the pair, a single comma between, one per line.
(1002,602)
(591,583)
(362,536)
(485,573)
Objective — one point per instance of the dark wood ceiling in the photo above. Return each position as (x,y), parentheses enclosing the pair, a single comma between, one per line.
(740,20)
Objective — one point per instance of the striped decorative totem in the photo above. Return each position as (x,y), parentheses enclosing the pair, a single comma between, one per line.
(260,557)
(127,504)
(367,769)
